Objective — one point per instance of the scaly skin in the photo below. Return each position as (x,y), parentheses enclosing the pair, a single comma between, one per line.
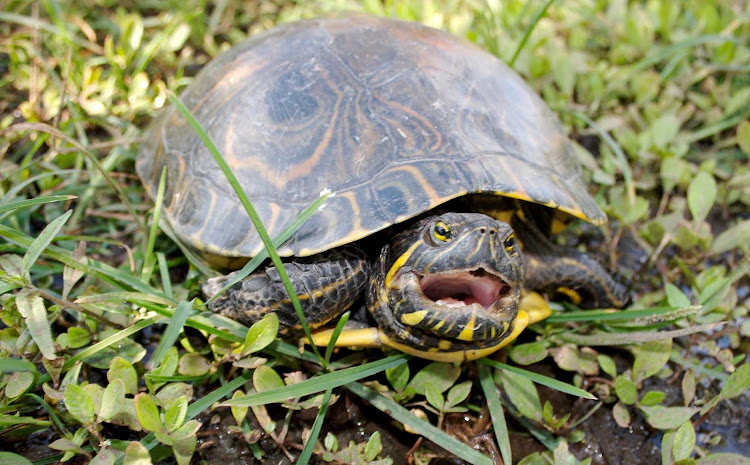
(446,288)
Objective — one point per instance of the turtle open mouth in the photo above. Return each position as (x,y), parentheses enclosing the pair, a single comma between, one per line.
(466,288)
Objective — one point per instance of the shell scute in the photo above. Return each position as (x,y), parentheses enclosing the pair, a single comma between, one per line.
(394,118)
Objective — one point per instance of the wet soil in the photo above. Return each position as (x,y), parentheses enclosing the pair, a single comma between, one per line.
(351,419)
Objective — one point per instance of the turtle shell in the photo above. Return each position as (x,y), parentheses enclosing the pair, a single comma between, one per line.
(393,118)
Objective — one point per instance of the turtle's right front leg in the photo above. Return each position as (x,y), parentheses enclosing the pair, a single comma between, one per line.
(326,285)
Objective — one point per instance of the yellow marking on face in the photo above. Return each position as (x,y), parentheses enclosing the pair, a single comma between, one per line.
(467,334)
(399,263)
(477,248)
(413,318)
(444,345)
(439,325)
(574,296)
(456,241)
(493,333)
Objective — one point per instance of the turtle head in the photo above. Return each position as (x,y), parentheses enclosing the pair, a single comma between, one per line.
(450,283)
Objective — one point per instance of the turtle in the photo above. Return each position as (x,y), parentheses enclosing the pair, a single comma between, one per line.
(446,175)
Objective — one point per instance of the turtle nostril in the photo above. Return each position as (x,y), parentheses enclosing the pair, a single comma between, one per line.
(492,231)
(482,230)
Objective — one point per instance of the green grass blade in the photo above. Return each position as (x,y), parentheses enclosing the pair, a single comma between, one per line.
(59,426)
(636,337)
(335,336)
(148,255)
(117,337)
(710,301)
(175,378)
(101,270)
(304,457)
(280,238)
(318,383)
(231,330)
(17,188)
(134,297)
(399,413)
(652,315)
(92,157)
(43,240)
(539,14)
(673,50)
(496,412)
(174,327)
(36,23)
(257,223)
(216,395)
(541,379)
(284,348)
(35,201)
(723,124)
(698,367)
(166,281)
(195,260)
(100,240)
(543,436)
(12,420)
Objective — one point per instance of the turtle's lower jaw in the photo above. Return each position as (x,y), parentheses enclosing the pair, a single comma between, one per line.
(470,289)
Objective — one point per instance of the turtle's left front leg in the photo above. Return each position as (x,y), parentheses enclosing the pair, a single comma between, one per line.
(551,268)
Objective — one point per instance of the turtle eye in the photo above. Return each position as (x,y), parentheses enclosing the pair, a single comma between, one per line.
(510,243)
(441,231)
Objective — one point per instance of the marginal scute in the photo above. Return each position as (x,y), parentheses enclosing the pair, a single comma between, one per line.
(394,129)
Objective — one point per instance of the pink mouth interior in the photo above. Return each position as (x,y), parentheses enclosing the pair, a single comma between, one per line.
(463,289)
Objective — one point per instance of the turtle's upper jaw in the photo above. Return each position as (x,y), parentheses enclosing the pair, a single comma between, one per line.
(469,288)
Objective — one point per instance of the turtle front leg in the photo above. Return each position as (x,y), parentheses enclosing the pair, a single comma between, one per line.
(554,269)
(326,285)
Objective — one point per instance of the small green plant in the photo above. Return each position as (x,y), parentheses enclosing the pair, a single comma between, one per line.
(354,453)
(172,430)
(90,280)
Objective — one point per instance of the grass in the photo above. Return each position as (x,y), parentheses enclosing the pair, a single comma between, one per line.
(657,91)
